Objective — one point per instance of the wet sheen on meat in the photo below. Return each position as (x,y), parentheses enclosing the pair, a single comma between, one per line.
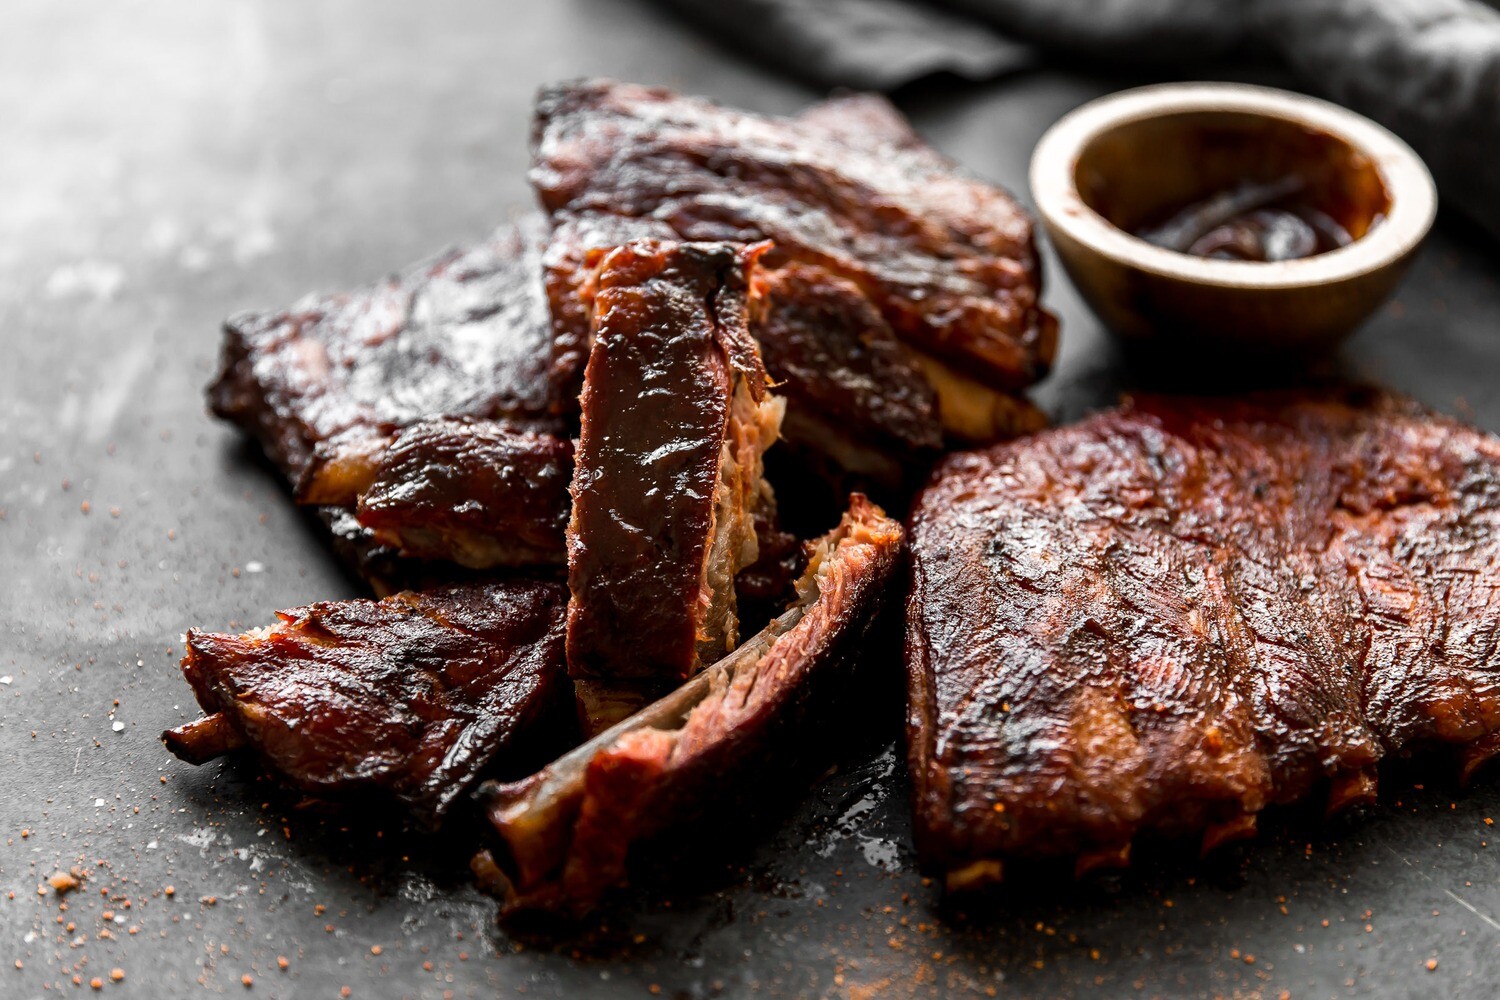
(947,260)
(323,386)
(667,476)
(1175,613)
(478,493)
(417,695)
(488,494)
(565,834)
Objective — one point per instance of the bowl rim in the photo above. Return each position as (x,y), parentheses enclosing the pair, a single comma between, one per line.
(1408,184)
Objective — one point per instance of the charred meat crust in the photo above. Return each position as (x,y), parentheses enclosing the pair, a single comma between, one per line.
(948,260)
(1175,613)
(416,696)
(467,334)
(479,493)
(566,832)
(667,471)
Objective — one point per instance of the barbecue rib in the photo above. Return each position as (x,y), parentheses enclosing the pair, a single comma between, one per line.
(1175,613)
(566,832)
(417,695)
(479,493)
(465,335)
(946,259)
(324,385)
(667,477)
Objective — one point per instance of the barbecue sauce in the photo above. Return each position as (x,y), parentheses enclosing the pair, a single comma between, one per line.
(1252,222)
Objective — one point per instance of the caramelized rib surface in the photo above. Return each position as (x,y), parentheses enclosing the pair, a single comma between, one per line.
(417,695)
(1175,613)
(852,390)
(464,335)
(667,473)
(947,260)
(479,493)
(323,386)
(568,831)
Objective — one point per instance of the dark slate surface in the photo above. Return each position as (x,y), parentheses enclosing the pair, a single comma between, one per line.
(165,164)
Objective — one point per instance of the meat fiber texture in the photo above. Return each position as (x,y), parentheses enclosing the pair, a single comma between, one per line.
(847,188)
(667,474)
(565,834)
(415,696)
(1175,613)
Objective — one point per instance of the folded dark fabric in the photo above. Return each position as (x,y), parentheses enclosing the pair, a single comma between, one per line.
(1427,69)
(865,44)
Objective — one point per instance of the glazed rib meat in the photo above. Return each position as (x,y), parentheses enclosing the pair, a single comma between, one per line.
(857,396)
(416,696)
(947,260)
(565,834)
(465,335)
(324,385)
(1175,613)
(667,475)
(478,493)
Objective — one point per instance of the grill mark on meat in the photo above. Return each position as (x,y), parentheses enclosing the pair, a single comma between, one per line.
(416,696)
(1241,600)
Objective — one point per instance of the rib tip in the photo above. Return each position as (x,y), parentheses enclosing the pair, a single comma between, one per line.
(202,740)
(1475,756)
(1102,860)
(1350,789)
(491,878)
(974,875)
(1242,827)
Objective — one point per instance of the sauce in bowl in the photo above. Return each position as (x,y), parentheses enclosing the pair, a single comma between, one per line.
(1231,185)
(1254,222)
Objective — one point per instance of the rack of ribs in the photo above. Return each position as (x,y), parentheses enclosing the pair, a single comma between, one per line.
(417,695)
(1175,613)
(414,414)
(667,473)
(847,189)
(564,835)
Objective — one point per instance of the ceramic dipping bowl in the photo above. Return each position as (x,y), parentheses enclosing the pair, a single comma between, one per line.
(1128,163)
